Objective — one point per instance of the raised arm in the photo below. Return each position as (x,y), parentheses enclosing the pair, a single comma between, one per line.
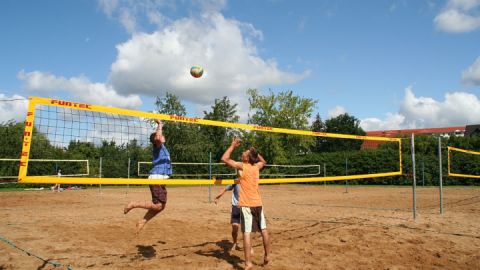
(226,156)
(159,132)
(261,162)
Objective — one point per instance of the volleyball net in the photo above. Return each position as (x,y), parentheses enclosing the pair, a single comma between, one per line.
(115,143)
(218,170)
(463,163)
(46,167)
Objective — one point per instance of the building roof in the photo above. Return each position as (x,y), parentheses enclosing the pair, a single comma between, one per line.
(472,130)
(406,132)
(395,133)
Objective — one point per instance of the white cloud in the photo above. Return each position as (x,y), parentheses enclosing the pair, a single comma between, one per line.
(80,88)
(131,14)
(210,6)
(393,121)
(156,62)
(152,64)
(459,16)
(463,4)
(13,108)
(472,74)
(108,6)
(128,21)
(338,110)
(458,109)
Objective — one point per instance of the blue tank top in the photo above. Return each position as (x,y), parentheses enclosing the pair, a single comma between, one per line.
(161,161)
(236,192)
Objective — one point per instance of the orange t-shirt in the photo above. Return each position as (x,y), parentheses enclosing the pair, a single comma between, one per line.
(249,193)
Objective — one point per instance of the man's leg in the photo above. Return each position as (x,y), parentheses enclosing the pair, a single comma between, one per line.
(266,245)
(152,212)
(235,227)
(145,205)
(247,248)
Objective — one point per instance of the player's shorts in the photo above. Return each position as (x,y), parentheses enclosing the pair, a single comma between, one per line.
(252,219)
(159,192)
(235,217)
(158,176)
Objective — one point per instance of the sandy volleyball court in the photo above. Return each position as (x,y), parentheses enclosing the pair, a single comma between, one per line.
(311,227)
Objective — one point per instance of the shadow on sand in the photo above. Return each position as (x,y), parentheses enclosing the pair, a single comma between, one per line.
(223,253)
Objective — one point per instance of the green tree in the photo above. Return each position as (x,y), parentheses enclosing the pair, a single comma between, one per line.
(11,135)
(137,153)
(343,124)
(170,104)
(282,110)
(184,141)
(114,161)
(219,138)
(318,126)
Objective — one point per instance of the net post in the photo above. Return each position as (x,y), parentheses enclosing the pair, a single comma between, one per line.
(449,160)
(324,174)
(414,181)
(346,173)
(440,184)
(128,176)
(423,173)
(100,176)
(27,139)
(210,177)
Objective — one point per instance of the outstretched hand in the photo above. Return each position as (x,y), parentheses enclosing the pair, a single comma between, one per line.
(158,121)
(236,142)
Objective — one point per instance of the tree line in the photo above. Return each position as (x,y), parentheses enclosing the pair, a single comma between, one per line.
(203,144)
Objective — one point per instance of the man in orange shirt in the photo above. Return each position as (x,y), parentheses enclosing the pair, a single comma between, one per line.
(252,218)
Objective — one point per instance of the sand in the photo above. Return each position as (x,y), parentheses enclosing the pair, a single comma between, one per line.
(311,227)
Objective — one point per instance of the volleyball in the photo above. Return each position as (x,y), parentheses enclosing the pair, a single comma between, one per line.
(196,71)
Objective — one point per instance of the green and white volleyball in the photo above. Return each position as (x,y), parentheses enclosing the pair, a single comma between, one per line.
(196,71)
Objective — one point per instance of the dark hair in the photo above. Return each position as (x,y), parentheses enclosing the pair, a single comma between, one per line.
(252,155)
(152,138)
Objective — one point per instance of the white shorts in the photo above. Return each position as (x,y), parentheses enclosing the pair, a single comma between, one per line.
(252,219)
(158,176)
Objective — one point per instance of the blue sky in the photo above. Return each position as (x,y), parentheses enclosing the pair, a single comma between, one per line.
(390,63)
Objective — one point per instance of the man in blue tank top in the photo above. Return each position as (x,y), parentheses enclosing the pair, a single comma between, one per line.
(162,169)
(235,214)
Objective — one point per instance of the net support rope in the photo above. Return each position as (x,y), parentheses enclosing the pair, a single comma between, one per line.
(54,263)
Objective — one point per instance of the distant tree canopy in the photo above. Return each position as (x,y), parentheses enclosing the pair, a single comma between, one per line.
(342,124)
(196,143)
(318,126)
(183,140)
(282,110)
(219,138)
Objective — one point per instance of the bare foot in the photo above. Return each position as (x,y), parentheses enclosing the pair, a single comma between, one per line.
(248,266)
(127,208)
(140,225)
(265,260)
